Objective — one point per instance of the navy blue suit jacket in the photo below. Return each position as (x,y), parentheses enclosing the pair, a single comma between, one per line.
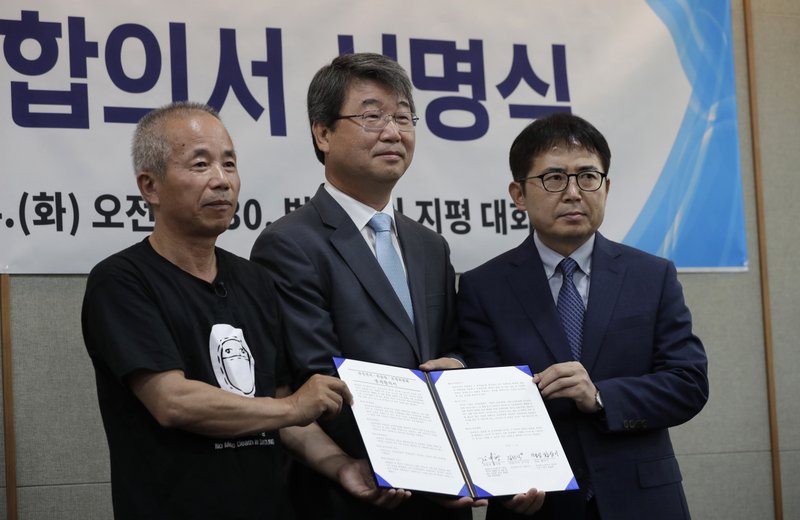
(336,301)
(639,351)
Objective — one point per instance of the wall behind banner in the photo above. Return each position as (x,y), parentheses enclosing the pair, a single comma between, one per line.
(62,458)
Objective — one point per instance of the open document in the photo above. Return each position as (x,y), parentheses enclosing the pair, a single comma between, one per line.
(478,432)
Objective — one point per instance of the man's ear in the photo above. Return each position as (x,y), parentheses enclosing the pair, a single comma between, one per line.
(148,187)
(321,136)
(517,195)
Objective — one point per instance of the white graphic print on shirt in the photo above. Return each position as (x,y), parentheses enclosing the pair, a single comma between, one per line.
(232,361)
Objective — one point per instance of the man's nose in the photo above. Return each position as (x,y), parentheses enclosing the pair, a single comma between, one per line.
(220,176)
(391,130)
(572,189)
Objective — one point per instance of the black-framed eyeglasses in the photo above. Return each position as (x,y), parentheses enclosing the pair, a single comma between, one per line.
(376,120)
(587,180)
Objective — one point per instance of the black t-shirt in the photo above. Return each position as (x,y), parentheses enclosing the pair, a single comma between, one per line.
(141,312)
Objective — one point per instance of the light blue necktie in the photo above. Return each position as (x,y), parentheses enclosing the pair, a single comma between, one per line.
(389,260)
(570,308)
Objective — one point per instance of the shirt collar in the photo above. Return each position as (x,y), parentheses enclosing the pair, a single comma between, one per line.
(358,212)
(551,259)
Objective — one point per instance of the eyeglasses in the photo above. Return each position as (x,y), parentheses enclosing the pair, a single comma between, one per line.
(376,120)
(587,180)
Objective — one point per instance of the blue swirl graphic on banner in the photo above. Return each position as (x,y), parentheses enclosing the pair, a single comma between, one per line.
(695,214)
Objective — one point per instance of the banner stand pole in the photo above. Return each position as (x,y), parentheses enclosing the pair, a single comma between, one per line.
(8,399)
(766,310)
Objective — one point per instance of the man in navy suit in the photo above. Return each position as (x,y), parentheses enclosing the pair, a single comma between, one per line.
(335,296)
(624,366)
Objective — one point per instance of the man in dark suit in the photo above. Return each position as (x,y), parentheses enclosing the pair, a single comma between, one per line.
(327,262)
(607,333)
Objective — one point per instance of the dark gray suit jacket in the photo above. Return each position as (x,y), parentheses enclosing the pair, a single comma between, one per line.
(336,301)
(639,350)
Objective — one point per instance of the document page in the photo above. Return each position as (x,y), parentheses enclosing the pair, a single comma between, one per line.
(503,430)
(405,439)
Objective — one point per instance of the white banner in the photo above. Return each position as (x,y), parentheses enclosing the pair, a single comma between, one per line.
(76,76)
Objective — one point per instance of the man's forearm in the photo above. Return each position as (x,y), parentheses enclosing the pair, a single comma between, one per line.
(311,445)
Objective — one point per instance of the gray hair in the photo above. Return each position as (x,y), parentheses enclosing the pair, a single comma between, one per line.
(151,149)
(328,88)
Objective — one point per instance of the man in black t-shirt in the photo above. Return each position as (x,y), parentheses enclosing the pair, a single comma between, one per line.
(191,380)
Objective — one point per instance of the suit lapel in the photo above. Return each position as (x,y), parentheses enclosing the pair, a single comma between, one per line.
(350,244)
(607,275)
(528,282)
(414,258)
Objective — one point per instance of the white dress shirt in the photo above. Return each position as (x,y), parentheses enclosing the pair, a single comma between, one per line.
(361,214)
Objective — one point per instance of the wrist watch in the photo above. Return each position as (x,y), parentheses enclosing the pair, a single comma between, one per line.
(598,401)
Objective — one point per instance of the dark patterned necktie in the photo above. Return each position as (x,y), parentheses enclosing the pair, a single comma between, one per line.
(570,307)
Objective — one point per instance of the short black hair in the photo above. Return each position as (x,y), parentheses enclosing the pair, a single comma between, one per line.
(558,129)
